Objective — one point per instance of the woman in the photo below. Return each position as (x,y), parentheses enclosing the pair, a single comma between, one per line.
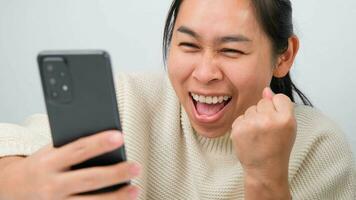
(211,129)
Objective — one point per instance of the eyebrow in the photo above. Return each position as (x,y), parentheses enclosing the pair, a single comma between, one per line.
(186,30)
(225,39)
(234,38)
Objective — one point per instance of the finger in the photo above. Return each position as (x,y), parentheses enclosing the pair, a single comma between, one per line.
(282,103)
(94,178)
(237,120)
(86,148)
(267,93)
(251,111)
(265,105)
(128,192)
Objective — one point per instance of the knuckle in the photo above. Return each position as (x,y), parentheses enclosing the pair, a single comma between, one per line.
(292,123)
(281,97)
(80,148)
(235,133)
(287,121)
(121,172)
(288,118)
(48,190)
(262,102)
(43,162)
(90,181)
(102,142)
(250,123)
(237,121)
(243,130)
(265,122)
(250,110)
(253,108)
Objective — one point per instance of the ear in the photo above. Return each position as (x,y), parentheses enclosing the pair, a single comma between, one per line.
(285,61)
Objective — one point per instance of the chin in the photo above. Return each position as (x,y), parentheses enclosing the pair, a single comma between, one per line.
(210,132)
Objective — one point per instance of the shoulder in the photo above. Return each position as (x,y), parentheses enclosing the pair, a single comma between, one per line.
(314,127)
(314,119)
(320,150)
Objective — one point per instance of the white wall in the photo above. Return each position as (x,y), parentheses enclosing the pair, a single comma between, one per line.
(131,31)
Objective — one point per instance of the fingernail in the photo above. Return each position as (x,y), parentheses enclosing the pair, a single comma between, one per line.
(135,169)
(115,137)
(133,192)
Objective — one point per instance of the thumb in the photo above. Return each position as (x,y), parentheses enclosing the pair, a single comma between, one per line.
(267,93)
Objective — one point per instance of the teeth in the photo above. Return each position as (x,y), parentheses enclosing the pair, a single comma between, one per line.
(195,97)
(210,99)
(221,99)
(215,100)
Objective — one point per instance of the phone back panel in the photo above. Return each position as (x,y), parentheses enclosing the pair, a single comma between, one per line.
(81,100)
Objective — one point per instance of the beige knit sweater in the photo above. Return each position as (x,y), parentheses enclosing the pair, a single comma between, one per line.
(179,164)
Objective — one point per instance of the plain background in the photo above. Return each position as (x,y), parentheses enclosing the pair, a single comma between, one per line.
(131,32)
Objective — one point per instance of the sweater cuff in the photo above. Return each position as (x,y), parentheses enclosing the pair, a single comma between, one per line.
(18,149)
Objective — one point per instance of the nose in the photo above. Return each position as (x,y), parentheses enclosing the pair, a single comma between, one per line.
(207,70)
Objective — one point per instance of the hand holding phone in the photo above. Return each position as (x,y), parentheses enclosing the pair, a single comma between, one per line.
(45,174)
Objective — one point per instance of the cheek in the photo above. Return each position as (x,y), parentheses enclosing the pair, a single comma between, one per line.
(179,69)
(249,76)
(179,62)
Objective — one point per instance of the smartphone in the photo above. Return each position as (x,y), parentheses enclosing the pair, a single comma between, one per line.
(80,98)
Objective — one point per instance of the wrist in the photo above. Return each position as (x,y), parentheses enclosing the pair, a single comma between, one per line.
(5,161)
(264,188)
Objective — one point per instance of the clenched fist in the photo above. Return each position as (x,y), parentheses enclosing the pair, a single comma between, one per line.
(263,138)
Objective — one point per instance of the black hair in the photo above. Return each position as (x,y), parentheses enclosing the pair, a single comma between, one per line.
(275,18)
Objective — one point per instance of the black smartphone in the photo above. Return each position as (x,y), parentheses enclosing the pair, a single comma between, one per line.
(80,99)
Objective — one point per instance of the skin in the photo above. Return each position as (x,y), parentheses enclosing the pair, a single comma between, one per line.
(262,124)
(219,48)
(45,175)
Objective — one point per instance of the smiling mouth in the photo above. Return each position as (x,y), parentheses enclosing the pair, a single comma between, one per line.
(209,106)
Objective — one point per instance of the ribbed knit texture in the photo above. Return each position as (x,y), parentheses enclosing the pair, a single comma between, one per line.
(179,164)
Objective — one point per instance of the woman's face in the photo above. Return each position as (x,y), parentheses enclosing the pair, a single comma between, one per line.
(219,62)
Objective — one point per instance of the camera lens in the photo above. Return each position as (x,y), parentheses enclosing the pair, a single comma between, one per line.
(54,94)
(65,88)
(50,68)
(52,81)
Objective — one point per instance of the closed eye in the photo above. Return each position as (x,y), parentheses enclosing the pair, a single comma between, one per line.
(188,45)
(232,51)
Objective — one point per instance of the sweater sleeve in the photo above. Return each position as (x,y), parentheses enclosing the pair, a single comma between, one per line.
(26,138)
(327,171)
